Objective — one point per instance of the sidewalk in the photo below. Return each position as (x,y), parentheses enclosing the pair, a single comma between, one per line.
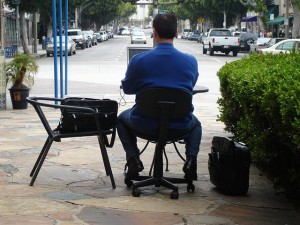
(72,188)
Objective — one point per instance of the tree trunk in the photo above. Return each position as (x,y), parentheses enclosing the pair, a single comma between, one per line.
(24,36)
(296,24)
(50,29)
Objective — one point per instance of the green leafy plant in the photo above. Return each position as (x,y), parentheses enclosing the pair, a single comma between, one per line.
(21,71)
(260,106)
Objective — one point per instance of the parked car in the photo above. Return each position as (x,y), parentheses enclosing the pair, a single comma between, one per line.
(88,40)
(284,46)
(70,43)
(273,41)
(110,34)
(120,30)
(259,44)
(186,33)
(98,37)
(103,35)
(92,36)
(246,39)
(78,38)
(125,32)
(138,37)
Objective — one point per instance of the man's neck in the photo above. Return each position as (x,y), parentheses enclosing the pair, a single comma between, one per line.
(163,40)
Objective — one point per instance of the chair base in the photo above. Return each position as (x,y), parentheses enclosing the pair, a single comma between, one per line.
(167,182)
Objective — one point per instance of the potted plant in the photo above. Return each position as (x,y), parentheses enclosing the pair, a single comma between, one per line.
(20,72)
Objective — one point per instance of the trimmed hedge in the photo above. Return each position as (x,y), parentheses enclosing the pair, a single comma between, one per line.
(260,105)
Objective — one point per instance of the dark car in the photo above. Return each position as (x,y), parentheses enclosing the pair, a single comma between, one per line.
(88,40)
(91,36)
(194,36)
(98,37)
(247,39)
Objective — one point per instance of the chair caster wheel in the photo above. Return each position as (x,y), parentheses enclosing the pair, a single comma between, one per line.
(136,192)
(190,188)
(174,195)
(128,183)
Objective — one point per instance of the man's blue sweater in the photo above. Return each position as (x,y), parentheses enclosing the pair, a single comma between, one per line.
(163,66)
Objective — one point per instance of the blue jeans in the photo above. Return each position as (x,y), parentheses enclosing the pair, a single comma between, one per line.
(129,140)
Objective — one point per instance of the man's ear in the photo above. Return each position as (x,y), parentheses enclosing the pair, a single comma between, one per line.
(154,32)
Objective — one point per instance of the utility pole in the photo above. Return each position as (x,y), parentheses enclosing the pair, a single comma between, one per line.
(35,32)
(2,24)
(224,23)
(286,21)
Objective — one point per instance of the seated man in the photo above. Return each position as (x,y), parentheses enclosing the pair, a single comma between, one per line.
(163,66)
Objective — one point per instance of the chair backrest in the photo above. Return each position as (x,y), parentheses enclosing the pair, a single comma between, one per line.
(164,104)
(150,102)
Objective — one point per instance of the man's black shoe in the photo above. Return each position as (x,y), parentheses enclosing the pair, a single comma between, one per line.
(135,166)
(190,169)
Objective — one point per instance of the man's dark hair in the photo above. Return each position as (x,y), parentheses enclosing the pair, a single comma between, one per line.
(165,25)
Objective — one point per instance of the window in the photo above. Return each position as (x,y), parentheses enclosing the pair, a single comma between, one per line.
(286,46)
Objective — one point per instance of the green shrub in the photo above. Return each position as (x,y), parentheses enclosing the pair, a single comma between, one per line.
(260,105)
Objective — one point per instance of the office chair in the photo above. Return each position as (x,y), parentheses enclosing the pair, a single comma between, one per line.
(39,103)
(163,104)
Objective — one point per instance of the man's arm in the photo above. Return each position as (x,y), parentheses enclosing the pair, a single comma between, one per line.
(129,83)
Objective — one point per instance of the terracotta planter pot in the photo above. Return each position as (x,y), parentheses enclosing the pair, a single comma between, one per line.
(18,97)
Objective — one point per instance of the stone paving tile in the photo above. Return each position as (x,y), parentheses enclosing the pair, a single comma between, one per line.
(25,220)
(102,216)
(153,203)
(252,216)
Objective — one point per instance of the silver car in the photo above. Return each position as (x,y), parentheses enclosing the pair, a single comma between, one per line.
(70,43)
(138,37)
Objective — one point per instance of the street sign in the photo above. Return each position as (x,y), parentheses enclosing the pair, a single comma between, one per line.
(286,22)
(271,16)
(15,2)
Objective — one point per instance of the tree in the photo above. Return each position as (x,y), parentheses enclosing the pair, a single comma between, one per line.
(125,10)
(296,24)
(211,10)
(45,9)
(29,6)
(101,12)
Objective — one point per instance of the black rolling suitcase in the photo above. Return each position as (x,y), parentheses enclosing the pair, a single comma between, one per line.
(229,165)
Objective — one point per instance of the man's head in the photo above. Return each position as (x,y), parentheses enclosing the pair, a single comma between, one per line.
(165,25)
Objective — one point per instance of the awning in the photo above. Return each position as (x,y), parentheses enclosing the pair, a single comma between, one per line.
(279,20)
(249,19)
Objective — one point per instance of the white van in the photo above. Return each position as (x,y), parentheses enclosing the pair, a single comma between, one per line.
(78,38)
(186,33)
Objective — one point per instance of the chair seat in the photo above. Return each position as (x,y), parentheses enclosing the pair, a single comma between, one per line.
(172,136)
